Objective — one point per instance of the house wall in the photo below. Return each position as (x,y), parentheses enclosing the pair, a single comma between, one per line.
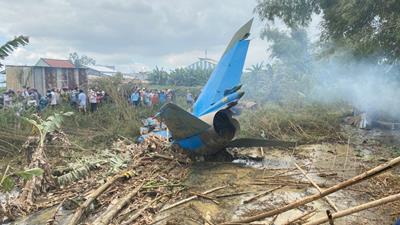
(44,78)
(18,76)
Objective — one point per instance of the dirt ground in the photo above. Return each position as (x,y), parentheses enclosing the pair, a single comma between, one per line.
(264,179)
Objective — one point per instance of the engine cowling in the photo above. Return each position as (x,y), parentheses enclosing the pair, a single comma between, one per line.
(223,129)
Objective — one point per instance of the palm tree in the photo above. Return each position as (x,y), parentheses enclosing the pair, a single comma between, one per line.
(10,46)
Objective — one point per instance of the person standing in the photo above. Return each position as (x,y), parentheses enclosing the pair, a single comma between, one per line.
(146,98)
(53,98)
(135,98)
(82,98)
(93,101)
(163,97)
(189,98)
(74,97)
(155,98)
(7,99)
(42,103)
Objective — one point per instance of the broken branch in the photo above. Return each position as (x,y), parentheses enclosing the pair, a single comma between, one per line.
(106,218)
(91,197)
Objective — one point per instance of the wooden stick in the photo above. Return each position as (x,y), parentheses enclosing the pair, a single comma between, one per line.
(262,194)
(168,158)
(54,217)
(105,218)
(205,197)
(366,175)
(328,200)
(90,198)
(191,198)
(356,209)
(298,217)
(233,194)
(273,220)
(347,153)
(330,218)
(140,211)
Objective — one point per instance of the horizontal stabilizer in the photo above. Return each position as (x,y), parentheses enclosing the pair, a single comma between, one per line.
(252,142)
(181,123)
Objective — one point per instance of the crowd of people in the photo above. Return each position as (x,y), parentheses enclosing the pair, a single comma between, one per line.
(151,97)
(31,98)
(85,101)
(154,97)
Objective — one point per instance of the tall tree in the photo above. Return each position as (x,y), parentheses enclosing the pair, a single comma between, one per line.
(367,27)
(83,60)
(10,46)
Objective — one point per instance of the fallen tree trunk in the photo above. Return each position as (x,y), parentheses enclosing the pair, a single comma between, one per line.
(366,175)
(355,209)
(89,199)
(106,217)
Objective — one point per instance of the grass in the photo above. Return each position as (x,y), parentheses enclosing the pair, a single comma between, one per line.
(310,122)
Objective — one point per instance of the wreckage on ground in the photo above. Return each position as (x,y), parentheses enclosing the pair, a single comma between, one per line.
(211,126)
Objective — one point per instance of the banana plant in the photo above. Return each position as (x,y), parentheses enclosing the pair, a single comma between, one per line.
(10,46)
(7,183)
(51,124)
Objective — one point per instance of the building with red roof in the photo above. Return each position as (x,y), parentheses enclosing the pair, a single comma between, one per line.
(57,63)
(47,74)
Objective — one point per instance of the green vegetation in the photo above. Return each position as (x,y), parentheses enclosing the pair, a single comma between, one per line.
(308,123)
(369,28)
(10,46)
(7,182)
(180,77)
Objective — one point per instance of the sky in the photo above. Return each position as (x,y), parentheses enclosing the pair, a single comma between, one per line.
(133,35)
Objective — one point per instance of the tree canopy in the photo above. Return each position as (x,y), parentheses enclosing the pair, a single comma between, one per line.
(367,27)
(83,60)
(180,76)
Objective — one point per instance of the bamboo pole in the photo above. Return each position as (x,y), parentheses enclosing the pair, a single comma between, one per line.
(366,175)
(356,209)
(191,198)
(328,200)
(82,208)
(262,194)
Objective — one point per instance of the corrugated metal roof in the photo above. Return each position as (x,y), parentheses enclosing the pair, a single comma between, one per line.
(103,69)
(59,63)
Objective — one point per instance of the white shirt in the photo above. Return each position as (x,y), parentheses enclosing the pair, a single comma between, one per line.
(53,100)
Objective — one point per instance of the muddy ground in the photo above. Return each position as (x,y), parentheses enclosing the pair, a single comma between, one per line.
(327,164)
(258,170)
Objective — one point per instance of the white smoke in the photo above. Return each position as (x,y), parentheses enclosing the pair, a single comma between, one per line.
(369,87)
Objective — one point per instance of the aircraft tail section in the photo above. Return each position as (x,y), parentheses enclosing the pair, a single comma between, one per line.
(181,123)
